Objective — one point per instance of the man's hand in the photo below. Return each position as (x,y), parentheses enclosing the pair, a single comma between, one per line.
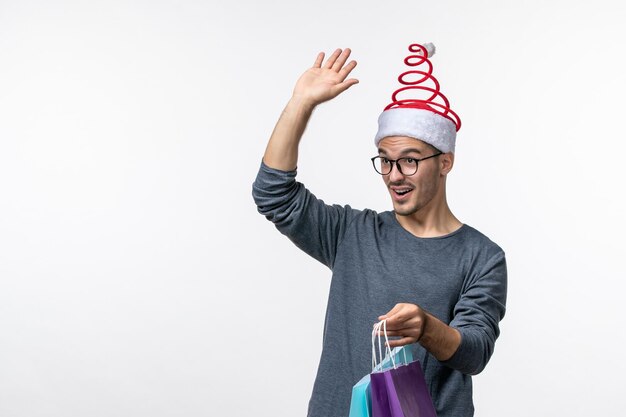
(324,82)
(317,85)
(406,321)
(412,324)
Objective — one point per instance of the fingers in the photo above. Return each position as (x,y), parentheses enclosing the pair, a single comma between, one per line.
(405,325)
(326,80)
(405,321)
(341,60)
(337,61)
(331,60)
(345,71)
(409,331)
(319,60)
(412,332)
(391,312)
(403,336)
(343,86)
(401,342)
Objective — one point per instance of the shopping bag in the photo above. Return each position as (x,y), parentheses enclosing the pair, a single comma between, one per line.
(412,391)
(360,403)
(400,391)
(399,355)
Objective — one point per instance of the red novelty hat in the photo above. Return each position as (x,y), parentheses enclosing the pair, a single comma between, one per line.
(429,118)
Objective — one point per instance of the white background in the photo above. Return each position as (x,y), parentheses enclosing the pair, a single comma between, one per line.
(137,278)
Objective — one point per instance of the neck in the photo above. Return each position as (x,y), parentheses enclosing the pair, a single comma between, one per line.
(433,220)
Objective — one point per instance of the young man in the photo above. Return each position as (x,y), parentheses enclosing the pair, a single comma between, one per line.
(440,284)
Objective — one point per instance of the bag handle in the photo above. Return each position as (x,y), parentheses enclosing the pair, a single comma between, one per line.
(376,333)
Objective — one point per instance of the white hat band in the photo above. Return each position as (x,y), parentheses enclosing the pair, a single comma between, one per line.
(424,125)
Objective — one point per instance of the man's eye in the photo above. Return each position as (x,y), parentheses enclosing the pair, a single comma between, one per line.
(409,160)
(384,161)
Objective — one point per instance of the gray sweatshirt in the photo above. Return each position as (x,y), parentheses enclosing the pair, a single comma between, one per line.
(460,278)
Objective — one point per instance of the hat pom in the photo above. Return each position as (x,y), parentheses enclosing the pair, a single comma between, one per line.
(430,48)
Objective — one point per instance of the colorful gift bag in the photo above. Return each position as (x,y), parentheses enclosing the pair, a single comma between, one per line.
(361,404)
(400,390)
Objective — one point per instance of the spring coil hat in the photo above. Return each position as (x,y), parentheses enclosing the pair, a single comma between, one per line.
(430,118)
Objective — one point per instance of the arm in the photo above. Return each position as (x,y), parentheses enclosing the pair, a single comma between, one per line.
(467,343)
(313,226)
(317,85)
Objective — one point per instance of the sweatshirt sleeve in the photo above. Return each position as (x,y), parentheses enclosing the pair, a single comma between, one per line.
(312,225)
(477,315)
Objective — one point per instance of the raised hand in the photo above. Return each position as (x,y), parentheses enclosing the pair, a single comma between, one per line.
(318,84)
(325,81)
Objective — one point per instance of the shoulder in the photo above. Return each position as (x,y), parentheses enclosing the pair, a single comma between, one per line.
(479,252)
(367,222)
(373,217)
(476,240)
(483,259)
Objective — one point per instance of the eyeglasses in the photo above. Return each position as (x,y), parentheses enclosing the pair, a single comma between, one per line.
(406,166)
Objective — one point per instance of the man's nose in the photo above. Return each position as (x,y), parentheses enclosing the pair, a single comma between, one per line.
(395,174)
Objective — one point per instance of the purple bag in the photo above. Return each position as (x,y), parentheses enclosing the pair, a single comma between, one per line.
(361,401)
(400,391)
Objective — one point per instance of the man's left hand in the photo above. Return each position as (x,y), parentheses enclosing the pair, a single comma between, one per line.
(407,321)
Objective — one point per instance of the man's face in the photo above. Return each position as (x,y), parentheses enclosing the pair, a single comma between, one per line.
(411,193)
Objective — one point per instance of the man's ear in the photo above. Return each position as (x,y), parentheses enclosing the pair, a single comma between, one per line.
(447,162)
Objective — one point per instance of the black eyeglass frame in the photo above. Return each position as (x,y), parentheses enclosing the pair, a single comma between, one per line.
(395,162)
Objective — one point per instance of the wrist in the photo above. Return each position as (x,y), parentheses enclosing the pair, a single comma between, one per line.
(426,332)
(301,103)
(438,338)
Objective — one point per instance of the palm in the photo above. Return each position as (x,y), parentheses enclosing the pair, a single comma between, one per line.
(322,83)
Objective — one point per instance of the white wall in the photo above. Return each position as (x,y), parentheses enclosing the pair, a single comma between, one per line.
(136,277)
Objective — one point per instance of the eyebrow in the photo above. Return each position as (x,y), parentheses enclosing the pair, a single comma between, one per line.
(404,151)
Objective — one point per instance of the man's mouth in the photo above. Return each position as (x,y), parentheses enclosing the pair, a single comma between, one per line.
(401,191)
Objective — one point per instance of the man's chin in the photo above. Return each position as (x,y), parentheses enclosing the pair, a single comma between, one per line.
(403,210)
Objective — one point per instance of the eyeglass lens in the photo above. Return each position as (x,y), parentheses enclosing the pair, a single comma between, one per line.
(407,166)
